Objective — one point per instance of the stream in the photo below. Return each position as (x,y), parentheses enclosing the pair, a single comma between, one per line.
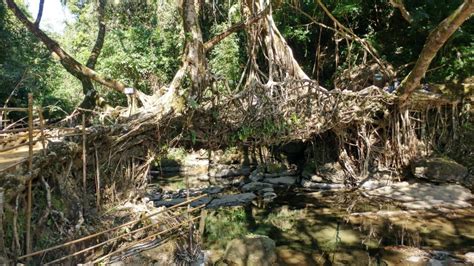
(341,228)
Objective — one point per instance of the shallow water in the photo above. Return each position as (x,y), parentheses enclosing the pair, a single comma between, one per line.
(342,229)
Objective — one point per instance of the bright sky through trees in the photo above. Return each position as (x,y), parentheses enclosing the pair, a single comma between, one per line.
(54,17)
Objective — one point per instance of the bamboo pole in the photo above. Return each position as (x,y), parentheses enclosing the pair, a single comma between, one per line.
(84,160)
(2,233)
(30,171)
(202,224)
(118,237)
(32,143)
(13,109)
(43,138)
(184,203)
(190,221)
(97,180)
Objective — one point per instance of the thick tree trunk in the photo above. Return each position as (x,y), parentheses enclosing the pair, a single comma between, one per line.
(70,64)
(194,49)
(435,41)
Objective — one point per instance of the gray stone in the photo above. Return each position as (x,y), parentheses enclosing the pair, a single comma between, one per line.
(282,180)
(269,196)
(418,196)
(222,171)
(256,176)
(439,170)
(251,251)
(255,186)
(267,190)
(231,200)
(326,186)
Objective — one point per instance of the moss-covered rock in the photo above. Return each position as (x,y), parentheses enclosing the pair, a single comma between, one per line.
(440,170)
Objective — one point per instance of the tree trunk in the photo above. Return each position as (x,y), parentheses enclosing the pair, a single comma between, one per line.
(282,63)
(90,94)
(434,42)
(70,64)
(194,47)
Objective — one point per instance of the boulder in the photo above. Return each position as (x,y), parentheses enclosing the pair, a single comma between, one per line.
(440,170)
(255,250)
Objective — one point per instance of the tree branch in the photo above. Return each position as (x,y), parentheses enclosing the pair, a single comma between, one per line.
(234,28)
(363,42)
(400,6)
(70,64)
(40,13)
(436,39)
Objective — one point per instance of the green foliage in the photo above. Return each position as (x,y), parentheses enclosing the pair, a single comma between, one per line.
(225,59)
(224,225)
(26,66)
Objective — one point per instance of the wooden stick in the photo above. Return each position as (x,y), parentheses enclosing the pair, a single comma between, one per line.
(19,145)
(110,240)
(13,109)
(16,130)
(43,138)
(30,170)
(84,161)
(202,224)
(2,234)
(190,221)
(97,180)
(110,230)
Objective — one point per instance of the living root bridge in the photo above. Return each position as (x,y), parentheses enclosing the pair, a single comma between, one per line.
(369,128)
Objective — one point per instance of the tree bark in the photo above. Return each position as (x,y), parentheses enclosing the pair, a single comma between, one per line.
(436,39)
(40,13)
(194,56)
(400,6)
(282,63)
(234,28)
(70,64)
(90,94)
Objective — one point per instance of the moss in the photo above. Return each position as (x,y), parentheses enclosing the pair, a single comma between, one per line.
(224,225)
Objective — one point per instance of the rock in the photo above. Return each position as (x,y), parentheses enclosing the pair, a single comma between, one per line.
(314,185)
(282,180)
(269,196)
(255,186)
(253,250)
(424,196)
(440,170)
(256,176)
(231,200)
(203,177)
(312,177)
(267,190)
(373,184)
(214,202)
(469,257)
(222,171)
(327,173)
